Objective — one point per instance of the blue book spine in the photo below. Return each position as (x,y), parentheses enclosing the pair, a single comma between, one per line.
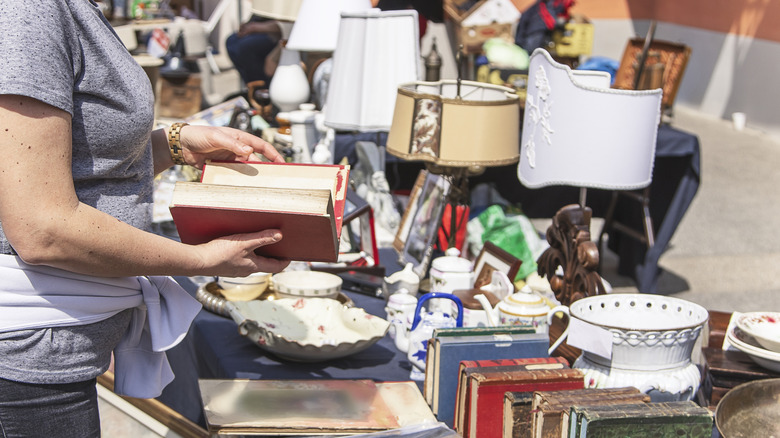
(453,352)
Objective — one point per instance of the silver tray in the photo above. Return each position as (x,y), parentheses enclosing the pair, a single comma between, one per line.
(750,410)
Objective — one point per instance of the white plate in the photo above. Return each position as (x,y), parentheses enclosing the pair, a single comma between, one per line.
(748,345)
(307,284)
(763,326)
(308,330)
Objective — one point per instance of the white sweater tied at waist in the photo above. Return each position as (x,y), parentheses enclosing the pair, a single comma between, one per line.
(36,297)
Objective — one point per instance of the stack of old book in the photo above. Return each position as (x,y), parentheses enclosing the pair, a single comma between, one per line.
(448,347)
(641,420)
(549,411)
(483,384)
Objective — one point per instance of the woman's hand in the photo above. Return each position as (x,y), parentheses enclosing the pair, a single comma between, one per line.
(201,143)
(234,256)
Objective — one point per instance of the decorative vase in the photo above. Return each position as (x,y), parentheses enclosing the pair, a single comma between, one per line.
(289,86)
(652,341)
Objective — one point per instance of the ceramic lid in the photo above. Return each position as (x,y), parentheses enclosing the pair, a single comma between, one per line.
(451,264)
(524,302)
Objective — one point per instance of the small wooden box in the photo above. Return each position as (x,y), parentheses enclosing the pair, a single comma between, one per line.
(180,97)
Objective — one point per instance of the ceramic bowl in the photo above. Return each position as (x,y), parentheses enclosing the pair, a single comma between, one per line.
(649,332)
(307,330)
(763,326)
(749,345)
(244,288)
(306,284)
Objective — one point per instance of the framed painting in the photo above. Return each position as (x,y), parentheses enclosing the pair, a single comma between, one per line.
(421,221)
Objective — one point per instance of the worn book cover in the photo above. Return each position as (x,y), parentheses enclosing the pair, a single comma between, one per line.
(517,416)
(641,420)
(483,331)
(277,407)
(487,390)
(551,408)
(304,201)
(467,367)
(445,354)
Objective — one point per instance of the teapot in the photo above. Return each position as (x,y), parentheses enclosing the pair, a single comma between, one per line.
(451,272)
(415,341)
(522,308)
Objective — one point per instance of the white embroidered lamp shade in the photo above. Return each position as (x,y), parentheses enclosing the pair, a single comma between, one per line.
(579,132)
(376,51)
(283,10)
(471,125)
(316,28)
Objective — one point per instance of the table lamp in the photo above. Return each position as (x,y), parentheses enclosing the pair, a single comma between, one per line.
(458,128)
(577,131)
(376,51)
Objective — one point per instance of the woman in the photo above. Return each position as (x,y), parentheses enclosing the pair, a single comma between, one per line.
(76,264)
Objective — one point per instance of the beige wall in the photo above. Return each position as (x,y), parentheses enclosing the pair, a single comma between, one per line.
(735,49)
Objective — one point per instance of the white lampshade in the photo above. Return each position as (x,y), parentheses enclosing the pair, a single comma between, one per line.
(579,132)
(478,127)
(284,10)
(316,28)
(376,51)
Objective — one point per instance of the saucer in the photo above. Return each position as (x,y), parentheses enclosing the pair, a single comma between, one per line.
(748,345)
(763,326)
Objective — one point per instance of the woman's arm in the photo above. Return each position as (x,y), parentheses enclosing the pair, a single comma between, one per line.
(46,224)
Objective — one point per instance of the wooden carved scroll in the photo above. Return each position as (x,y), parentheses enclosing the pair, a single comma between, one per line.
(572,250)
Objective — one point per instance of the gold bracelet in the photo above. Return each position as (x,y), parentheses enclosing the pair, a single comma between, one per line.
(174,142)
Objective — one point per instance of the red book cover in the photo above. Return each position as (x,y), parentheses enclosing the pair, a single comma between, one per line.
(488,388)
(467,367)
(305,202)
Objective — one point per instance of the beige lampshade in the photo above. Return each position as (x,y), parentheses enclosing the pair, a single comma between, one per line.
(284,10)
(479,128)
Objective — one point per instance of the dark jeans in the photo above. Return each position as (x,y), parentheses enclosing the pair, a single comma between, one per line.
(248,54)
(37,410)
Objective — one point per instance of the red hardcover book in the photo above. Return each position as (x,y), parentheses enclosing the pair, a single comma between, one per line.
(304,201)
(487,389)
(468,367)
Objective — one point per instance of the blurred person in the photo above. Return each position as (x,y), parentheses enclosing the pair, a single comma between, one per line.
(80,274)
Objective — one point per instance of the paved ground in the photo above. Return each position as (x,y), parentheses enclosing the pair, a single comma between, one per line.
(725,255)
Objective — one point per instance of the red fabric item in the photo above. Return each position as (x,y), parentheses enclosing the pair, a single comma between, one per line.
(462,218)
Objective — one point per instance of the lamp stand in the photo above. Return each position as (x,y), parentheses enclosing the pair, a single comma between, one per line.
(571,250)
(457,200)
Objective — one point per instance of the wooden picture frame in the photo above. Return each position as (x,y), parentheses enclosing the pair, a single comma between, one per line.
(423,219)
(493,258)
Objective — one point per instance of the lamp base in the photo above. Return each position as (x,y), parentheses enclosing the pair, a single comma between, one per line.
(572,250)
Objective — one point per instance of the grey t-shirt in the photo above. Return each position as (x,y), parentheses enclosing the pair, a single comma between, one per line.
(64,53)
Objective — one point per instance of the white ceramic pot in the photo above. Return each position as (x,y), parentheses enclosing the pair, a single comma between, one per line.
(652,336)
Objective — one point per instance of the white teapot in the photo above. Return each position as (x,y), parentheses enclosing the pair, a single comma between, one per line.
(451,272)
(522,308)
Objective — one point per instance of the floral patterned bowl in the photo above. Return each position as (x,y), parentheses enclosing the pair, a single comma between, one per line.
(307,329)
(763,326)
